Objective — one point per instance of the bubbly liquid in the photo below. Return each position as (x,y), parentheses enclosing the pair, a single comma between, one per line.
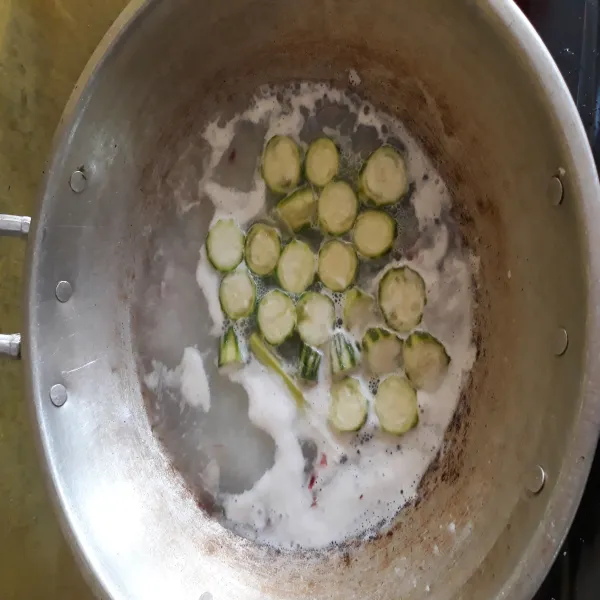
(324,487)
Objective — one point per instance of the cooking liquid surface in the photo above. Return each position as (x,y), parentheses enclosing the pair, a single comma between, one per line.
(278,475)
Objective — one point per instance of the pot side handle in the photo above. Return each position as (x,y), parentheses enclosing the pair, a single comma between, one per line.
(10,345)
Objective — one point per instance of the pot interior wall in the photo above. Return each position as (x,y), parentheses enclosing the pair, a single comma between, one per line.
(457,80)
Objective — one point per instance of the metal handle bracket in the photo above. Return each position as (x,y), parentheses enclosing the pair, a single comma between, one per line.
(14,226)
(10,345)
(10,225)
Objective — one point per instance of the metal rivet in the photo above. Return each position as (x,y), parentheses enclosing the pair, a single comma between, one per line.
(561,341)
(64,291)
(58,394)
(78,181)
(536,479)
(556,190)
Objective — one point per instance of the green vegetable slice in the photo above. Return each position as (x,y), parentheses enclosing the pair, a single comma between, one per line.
(383,351)
(310,363)
(383,179)
(296,267)
(343,354)
(337,265)
(229,349)
(281,164)
(402,298)
(237,294)
(267,357)
(276,317)
(374,233)
(316,318)
(349,407)
(225,245)
(396,405)
(359,308)
(322,162)
(425,361)
(337,208)
(263,248)
(298,210)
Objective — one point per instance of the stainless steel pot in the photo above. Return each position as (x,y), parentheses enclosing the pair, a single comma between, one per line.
(474,83)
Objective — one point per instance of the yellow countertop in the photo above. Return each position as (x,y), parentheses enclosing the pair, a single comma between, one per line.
(44,45)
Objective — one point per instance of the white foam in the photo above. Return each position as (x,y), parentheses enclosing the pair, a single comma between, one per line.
(432,197)
(195,388)
(243,206)
(189,377)
(161,376)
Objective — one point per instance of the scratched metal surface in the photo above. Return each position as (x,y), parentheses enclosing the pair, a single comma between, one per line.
(44,44)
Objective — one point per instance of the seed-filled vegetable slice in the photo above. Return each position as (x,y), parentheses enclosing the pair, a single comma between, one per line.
(337,208)
(296,267)
(349,407)
(322,162)
(383,179)
(281,164)
(276,317)
(402,298)
(358,308)
(315,315)
(383,351)
(263,248)
(337,265)
(396,405)
(237,294)
(374,233)
(225,245)
(425,361)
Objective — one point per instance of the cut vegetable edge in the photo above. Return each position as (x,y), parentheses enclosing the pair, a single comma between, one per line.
(237,294)
(337,208)
(281,164)
(268,358)
(344,355)
(425,361)
(402,297)
(349,407)
(276,317)
(296,268)
(383,179)
(338,264)
(322,162)
(298,210)
(225,245)
(309,363)
(230,353)
(358,308)
(382,350)
(262,249)
(315,314)
(396,405)
(374,233)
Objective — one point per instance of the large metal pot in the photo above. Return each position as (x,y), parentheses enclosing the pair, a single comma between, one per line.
(475,84)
